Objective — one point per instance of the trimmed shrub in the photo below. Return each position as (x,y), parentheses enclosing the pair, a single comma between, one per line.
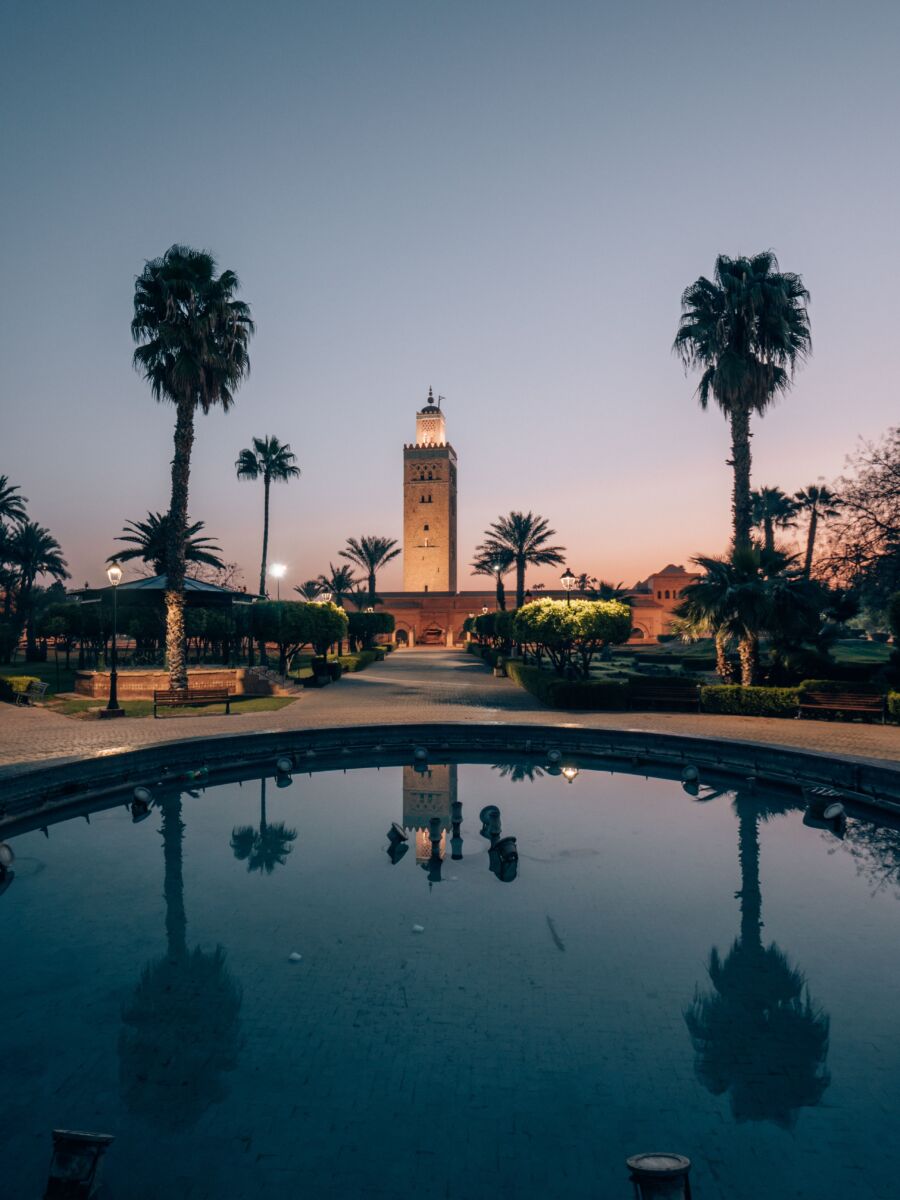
(15,685)
(750,701)
(585,694)
(893,705)
(358,661)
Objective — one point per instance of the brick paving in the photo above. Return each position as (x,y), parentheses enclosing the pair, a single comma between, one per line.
(413,685)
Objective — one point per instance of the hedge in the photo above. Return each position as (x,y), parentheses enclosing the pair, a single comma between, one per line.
(565,693)
(359,661)
(15,685)
(750,701)
(893,705)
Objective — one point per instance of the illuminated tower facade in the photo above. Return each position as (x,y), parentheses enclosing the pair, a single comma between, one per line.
(429,505)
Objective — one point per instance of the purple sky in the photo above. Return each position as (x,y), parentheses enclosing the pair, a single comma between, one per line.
(502,200)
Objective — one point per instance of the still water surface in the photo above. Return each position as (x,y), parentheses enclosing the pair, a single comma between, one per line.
(656,972)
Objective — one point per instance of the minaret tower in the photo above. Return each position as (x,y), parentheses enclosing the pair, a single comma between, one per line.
(429,505)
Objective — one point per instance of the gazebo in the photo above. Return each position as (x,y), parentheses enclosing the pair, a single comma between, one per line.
(140,683)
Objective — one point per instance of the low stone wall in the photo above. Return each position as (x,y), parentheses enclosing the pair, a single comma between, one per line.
(141,684)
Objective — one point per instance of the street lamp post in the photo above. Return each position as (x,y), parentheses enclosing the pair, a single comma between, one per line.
(113,709)
(277,571)
(568,582)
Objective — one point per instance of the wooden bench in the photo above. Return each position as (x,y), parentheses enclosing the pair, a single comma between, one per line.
(190,697)
(868,703)
(655,693)
(33,693)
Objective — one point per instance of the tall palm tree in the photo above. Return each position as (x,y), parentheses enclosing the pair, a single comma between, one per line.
(266,848)
(524,537)
(12,503)
(370,554)
(34,552)
(496,564)
(819,503)
(757,1035)
(273,462)
(181,1025)
(192,336)
(745,330)
(772,509)
(309,590)
(340,581)
(150,540)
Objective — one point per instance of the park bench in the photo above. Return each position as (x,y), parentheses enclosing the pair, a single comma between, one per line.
(866,703)
(663,695)
(169,698)
(33,693)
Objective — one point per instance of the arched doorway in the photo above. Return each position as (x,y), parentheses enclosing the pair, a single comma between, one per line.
(401,637)
(432,636)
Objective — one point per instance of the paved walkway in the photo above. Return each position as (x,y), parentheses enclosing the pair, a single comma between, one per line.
(412,685)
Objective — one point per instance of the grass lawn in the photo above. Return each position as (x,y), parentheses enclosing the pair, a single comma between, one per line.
(859,652)
(144,708)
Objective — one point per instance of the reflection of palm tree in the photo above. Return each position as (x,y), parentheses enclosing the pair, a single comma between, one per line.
(181,1024)
(266,848)
(757,1035)
(516,772)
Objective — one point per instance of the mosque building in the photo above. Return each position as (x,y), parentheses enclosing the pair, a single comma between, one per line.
(430,610)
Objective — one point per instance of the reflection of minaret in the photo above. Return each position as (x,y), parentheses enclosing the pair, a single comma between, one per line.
(428,792)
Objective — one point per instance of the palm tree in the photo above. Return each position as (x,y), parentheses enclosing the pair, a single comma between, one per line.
(274,462)
(743,596)
(266,848)
(371,554)
(745,330)
(181,1025)
(757,1035)
(150,540)
(192,337)
(340,581)
(772,509)
(495,563)
(819,503)
(34,551)
(524,537)
(309,590)
(12,504)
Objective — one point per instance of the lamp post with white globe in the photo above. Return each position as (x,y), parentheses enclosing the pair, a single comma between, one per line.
(113,709)
(568,582)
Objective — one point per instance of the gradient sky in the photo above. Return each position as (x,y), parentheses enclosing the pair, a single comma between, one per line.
(500,199)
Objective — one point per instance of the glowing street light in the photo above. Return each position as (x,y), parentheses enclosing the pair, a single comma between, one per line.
(568,582)
(113,708)
(278,572)
(570,774)
(325,596)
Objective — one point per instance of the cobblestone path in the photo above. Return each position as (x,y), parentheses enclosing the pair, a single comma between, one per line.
(411,685)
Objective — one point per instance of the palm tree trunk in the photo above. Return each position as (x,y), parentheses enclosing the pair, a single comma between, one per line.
(810,541)
(501,595)
(372,588)
(176,648)
(520,580)
(769,534)
(750,894)
(173,889)
(723,666)
(749,653)
(741,507)
(265,549)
